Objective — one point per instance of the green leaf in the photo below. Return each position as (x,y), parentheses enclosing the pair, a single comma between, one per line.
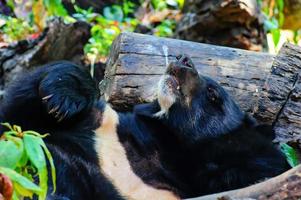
(52,166)
(181,3)
(290,153)
(10,152)
(113,13)
(15,197)
(128,7)
(281,19)
(17,128)
(55,8)
(34,151)
(280,5)
(37,157)
(24,159)
(21,180)
(11,4)
(276,36)
(7,125)
(22,191)
(159,4)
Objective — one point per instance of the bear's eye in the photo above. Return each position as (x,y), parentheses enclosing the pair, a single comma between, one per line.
(212,95)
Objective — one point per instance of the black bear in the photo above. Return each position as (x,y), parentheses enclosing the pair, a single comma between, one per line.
(193,140)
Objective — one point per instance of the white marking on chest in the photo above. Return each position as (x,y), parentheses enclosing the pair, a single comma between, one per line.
(116,167)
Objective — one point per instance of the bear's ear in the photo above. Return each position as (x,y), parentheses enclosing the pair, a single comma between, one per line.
(147,110)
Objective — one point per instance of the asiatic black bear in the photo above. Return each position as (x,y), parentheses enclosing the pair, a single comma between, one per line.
(193,140)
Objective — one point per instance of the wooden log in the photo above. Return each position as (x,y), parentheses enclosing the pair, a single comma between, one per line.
(270,93)
(288,121)
(284,186)
(137,61)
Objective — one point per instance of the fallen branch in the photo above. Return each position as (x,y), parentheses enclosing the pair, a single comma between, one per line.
(285,186)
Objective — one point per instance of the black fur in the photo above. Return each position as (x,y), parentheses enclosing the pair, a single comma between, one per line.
(204,144)
(212,145)
(72,139)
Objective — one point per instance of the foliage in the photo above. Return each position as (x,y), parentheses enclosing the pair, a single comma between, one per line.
(273,11)
(105,26)
(20,28)
(116,19)
(274,18)
(23,160)
(161,5)
(165,29)
(291,154)
(15,28)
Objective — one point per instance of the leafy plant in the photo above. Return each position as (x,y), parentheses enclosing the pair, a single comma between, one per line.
(106,27)
(274,19)
(55,8)
(15,28)
(164,4)
(114,13)
(273,11)
(128,7)
(24,158)
(84,15)
(291,154)
(165,29)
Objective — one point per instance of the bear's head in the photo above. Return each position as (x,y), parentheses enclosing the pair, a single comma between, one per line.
(194,105)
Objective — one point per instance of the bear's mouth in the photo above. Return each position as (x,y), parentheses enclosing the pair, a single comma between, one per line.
(178,83)
(178,71)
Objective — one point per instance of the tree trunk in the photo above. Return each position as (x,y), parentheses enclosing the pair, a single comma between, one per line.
(233,23)
(59,41)
(270,93)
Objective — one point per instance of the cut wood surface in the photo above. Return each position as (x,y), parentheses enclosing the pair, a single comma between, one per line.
(285,186)
(265,86)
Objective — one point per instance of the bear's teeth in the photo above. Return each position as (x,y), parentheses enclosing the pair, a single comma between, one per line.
(178,87)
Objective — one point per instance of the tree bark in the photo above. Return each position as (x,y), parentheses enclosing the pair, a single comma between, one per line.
(59,41)
(285,186)
(269,90)
(233,23)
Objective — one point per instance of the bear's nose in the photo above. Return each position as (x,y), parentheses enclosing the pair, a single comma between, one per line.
(185,60)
